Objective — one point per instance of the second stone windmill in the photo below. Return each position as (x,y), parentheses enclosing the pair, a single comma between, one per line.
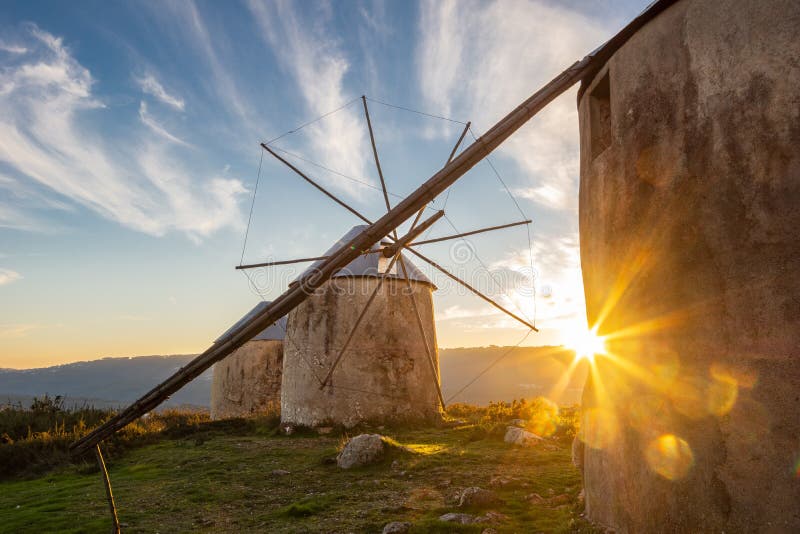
(363,346)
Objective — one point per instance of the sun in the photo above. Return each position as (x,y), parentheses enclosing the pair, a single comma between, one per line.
(587,344)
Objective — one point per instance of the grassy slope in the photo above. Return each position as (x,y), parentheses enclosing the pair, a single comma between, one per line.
(213,481)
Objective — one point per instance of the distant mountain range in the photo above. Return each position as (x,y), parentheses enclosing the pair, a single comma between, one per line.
(113,382)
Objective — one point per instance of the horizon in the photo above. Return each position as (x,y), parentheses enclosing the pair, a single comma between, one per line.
(129,158)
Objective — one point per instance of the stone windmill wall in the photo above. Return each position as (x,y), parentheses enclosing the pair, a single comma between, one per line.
(690,249)
(249,381)
(385,373)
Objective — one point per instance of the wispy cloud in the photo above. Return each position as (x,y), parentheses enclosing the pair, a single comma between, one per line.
(16,330)
(8,276)
(151,86)
(48,138)
(481,59)
(318,66)
(12,48)
(154,125)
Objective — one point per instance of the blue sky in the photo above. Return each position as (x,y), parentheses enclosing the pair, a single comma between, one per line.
(129,153)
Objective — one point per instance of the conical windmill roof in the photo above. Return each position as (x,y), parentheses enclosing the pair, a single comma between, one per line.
(276,331)
(367,265)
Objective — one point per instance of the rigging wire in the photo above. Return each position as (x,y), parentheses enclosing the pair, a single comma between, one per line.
(333,171)
(488,367)
(309,123)
(527,227)
(416,111)
(252,204)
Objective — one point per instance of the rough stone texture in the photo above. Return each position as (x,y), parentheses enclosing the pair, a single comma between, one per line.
(248,381)
(689,229)
(518,436)
(361,450)
(396,527)
(385,373)
(478,497)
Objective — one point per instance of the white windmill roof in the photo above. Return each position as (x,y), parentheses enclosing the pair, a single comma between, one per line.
(276,331)
(367,264)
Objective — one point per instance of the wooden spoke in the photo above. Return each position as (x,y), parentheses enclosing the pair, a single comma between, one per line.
(470,288)
(315,184)
(375,154)
(359,319)
(473,232)
(422,333)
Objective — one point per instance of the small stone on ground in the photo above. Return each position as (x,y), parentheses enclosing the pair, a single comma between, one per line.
(517,436)
(396,527)
(478,497)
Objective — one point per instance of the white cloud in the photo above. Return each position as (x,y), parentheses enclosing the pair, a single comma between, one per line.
(47,138)
(8,276)
(154,125)
(12,48)
(151,86)
(318,67)
(481,59)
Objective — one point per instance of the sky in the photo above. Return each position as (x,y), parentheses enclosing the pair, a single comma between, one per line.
(129,159)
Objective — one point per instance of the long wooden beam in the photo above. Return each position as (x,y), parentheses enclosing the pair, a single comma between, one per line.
(296,294)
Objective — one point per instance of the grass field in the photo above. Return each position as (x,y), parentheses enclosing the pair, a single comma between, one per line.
(220,478)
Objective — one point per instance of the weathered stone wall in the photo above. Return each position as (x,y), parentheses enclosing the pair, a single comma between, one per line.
(248,381)
(690,247)
(384,375)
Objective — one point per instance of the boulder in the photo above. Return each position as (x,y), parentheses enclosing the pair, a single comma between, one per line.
(364,449)
(518,436)
(478,497)
(396,527)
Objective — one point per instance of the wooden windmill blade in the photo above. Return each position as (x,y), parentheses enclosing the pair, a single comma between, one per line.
(376,231)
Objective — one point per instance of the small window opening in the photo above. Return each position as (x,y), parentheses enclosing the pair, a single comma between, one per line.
(600,116)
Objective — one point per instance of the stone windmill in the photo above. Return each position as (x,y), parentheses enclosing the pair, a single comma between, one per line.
(363,345)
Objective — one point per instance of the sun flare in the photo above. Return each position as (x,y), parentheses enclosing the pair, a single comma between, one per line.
(587,344)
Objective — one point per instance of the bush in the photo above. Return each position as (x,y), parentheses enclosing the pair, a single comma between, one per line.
(36,439)
(542,417)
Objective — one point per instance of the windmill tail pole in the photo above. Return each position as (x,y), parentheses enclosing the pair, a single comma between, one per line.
(297,293)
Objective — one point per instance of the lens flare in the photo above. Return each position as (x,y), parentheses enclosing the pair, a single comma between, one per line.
(670,456)
(587,344)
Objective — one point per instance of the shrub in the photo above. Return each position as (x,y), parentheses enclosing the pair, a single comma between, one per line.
(36,439)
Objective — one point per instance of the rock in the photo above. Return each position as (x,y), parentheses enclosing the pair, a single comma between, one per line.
(517,436)
(478,497)
(395,465)
(464,519)
(364,449)
(396,527)
(577,453)
(518,422)
(280,472)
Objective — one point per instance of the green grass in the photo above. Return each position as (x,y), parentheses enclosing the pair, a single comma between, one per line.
(214,480)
